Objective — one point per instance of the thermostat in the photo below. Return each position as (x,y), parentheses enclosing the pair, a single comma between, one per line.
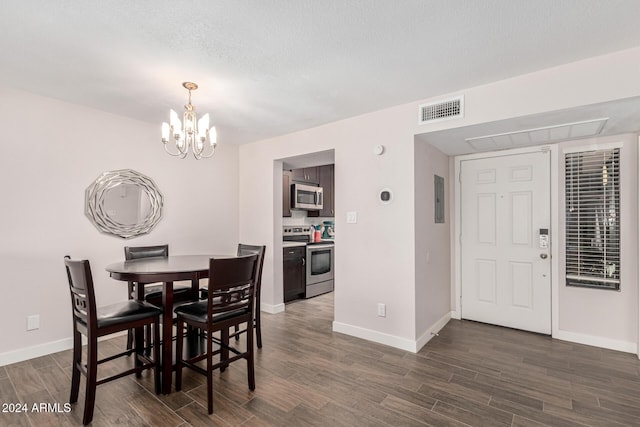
(386,196)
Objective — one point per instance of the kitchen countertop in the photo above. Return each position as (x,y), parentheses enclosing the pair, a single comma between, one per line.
(322,241)
(294,244)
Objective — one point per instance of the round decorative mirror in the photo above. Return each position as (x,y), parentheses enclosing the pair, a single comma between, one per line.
(123,203)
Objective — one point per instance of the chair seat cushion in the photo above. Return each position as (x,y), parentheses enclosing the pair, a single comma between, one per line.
(114,314)
(197,311)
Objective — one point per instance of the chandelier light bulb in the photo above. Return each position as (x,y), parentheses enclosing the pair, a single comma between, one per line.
(190,134)
(166,131)
(203,127)
(213,136)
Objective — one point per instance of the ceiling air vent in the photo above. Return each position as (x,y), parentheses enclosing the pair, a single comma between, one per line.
(538,136)
(442,110)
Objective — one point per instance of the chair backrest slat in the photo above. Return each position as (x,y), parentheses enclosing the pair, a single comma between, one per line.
(137,252)
(244,249)
(83,299)
(232,284)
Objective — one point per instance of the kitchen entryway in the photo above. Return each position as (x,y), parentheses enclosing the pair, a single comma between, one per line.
(505,240)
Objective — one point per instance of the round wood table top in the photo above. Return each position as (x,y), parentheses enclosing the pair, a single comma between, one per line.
(163,269)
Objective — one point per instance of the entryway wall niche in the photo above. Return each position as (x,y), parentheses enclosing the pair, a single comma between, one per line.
(603,318)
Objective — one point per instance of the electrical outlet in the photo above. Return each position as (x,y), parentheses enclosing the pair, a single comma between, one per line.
(352,217)
(382,310)
(33,322)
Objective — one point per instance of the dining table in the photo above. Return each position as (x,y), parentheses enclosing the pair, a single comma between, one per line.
(165,270)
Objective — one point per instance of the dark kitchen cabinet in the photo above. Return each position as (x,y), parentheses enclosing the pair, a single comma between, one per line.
(308,175)
(326,174)
(286,193)
(294,272)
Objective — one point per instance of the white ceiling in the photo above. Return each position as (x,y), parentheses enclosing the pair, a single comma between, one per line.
(271,67)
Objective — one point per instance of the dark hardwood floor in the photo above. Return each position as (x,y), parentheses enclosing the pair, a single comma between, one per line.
(471,374)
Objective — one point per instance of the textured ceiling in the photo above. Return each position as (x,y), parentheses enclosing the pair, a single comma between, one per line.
(267,68)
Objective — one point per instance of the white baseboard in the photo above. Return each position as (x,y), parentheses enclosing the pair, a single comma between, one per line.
(456,315)
(392,340)
(35,351)
(39,350)
(433,330)
(625,346)
(272,309)
(375,336)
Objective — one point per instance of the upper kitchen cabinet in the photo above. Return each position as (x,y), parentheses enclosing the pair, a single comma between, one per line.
(308,175)
(286,193)
(327,183)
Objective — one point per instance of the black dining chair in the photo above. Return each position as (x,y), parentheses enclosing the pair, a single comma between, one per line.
(244,249)
(94,322)
(152,292)
(230,302)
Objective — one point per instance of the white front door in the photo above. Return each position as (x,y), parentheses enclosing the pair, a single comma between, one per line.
(506,269)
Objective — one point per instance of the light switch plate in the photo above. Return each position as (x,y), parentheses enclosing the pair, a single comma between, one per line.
(352,217)
(33,322)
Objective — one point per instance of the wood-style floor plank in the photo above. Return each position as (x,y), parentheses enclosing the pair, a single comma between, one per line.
(471,374)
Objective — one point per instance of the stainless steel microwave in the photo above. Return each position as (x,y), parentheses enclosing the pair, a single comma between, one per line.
(307,197)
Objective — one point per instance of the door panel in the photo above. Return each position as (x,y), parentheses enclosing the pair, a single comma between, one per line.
(522,218)
(486,216)
(486,273)
(504,204)
(521,283)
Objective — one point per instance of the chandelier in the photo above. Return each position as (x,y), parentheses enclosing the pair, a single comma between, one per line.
(190,134)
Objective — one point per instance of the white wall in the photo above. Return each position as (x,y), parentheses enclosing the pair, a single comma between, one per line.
(590,81)
(432,244)
(605,78)
(51,152)
(595,316)
(374,258)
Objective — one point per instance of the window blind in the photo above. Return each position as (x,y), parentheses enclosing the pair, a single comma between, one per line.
(592,195)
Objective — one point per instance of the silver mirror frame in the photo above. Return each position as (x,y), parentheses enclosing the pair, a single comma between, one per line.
(97,214)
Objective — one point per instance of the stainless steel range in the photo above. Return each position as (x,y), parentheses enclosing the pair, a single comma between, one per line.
(319,259)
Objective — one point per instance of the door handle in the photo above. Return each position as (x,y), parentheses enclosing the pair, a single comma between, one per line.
(543,256)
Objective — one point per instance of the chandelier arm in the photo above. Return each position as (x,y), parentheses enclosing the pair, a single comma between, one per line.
(205,156)
(180,153)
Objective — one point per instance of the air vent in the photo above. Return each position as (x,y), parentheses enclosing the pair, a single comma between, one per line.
(538,136)
(442,110)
